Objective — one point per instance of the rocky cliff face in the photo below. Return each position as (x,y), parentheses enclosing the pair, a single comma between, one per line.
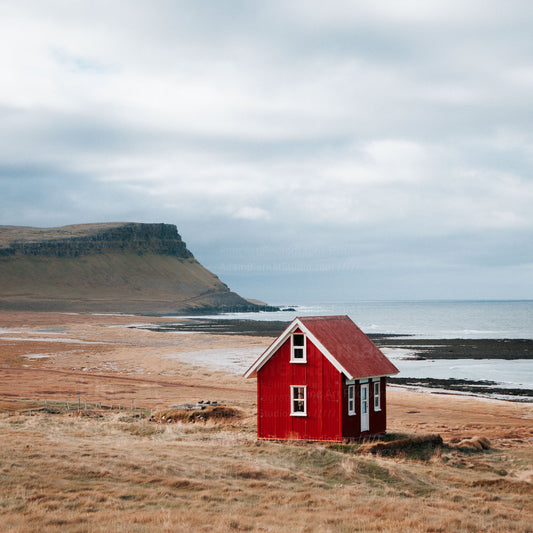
(98,238)
(112,267)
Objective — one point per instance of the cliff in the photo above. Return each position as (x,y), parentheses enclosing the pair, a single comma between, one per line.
(86,239)
(110,267)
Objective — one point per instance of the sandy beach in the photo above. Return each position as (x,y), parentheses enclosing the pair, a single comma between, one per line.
(111,470)
(120,359)
(102,358)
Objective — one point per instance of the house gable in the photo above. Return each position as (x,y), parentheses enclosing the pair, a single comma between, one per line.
(293,327)
(341,342)
(277,382)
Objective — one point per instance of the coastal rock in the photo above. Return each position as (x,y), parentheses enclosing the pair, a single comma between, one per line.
(98,238)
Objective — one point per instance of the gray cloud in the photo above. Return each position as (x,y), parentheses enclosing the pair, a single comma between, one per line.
(384,148)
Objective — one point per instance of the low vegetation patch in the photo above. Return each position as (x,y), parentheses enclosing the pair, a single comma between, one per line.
(420,447)
(473,443)
(218,414)
(505,485)
(417,446)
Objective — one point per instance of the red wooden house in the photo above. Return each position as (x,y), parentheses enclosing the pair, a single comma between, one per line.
(321,379)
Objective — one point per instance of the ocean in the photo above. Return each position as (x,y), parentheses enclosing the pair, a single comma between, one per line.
(437,319)
(442,319)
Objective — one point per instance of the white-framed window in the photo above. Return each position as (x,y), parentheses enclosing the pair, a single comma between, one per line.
(298,348)
(351,399)
(377,394)
(298,400)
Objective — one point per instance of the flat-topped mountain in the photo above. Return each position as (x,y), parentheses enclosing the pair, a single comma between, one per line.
(109,267)
(85,239)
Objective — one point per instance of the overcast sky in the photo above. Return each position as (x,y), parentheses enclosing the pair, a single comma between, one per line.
(306,150)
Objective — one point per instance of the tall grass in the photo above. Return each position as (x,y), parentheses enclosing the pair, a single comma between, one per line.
(117,473)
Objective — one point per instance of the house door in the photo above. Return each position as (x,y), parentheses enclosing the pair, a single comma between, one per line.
(364,407)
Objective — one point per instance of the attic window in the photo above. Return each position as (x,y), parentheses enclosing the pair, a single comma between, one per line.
(298,351)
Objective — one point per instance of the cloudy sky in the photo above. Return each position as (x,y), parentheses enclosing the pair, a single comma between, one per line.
(306,150)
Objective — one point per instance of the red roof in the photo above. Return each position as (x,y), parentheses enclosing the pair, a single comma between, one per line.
(341,342)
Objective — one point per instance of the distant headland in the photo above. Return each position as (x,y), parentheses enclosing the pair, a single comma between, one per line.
(118,267)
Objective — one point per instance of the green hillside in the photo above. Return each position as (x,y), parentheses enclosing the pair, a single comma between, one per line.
(133,268)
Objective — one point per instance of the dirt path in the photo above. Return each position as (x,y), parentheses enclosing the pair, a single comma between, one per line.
(45,383)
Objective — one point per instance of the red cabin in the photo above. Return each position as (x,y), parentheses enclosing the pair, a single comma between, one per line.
(321,379)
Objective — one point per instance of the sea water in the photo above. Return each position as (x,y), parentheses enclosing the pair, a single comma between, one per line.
(444,319)
(439,319)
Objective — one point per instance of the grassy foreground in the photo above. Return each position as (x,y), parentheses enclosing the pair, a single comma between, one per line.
(110,471)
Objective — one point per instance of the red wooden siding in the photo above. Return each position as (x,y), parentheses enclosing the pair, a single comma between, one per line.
(378,419)
(323,384)
(336,351)
(351,424)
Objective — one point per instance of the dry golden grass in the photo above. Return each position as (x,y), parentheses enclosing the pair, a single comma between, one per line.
(116,472)
(108,470)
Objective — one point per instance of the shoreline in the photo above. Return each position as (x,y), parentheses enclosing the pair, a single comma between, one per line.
(421,348)
(70,466)
(105,345)
(417,349)
(422,386)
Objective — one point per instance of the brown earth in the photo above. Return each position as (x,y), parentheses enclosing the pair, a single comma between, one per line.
(103,471)
(100,359)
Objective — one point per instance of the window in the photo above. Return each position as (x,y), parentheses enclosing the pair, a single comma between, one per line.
(298,352)
(377,396)
(298,401)
(351,399)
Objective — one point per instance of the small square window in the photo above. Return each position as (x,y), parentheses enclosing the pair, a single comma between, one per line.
(298,400)
(298,351)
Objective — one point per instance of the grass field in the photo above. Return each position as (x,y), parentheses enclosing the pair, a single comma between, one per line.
(110,470)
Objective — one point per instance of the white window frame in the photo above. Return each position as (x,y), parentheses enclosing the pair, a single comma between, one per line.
(303,400)
(295,359)
(377,397)
(351,401)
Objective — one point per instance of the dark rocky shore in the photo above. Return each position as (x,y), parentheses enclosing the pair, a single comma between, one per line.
(420,349)
(459,348)
(221,326)
(483,387)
